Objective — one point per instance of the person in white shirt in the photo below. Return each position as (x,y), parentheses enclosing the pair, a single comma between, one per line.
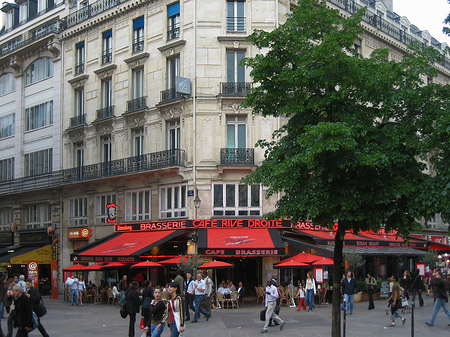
(301,295)
(115,291)
(74,291)
(81,288)
(223,289)
(199,292)
(270,303)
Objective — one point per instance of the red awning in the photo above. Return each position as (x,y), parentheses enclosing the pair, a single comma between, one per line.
(240,242)
(123,247)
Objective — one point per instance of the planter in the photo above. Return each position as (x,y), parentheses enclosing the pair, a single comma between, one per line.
(357,297)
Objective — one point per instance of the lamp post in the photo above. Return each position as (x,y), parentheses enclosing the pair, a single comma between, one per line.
(197,202)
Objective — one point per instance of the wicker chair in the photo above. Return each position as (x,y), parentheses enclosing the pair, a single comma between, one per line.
(259,294)
(234,300)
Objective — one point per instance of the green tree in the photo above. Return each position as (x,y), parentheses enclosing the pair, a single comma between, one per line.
(189,263)
(446,30)
(358,133)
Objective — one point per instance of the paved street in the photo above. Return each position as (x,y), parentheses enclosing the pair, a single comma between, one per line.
(101,320)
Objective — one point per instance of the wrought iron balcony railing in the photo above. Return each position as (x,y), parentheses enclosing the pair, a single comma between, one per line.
(105,113)
(136,104)
(170,95)
(106,56)
(173,32)
(79,68)
(237,156)
(91,10)
(79,120)
(235,88)
(119,167)
(235,24)
(138,45)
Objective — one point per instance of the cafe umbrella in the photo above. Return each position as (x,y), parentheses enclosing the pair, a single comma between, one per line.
(75,267)
(147,265)
(216,265)
(116,266)
(290,263)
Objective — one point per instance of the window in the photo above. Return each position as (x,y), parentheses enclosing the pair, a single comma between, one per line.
(138,142)
(107,93)
(236,132)
(137,205)
(6,218)
(7,83)
(79,57)
(78,211)
(79,101)
(38,216)
(236,16)
(6,169)
(236,200)
(42,6)
(9,20)
(101,213)
(39,70)
(107,47)
(173,70)
(138,83)
(235,72)
(172,202)
(7,126)
(23,12)
(78,158)
(105,154)
(173,134)
(173,21)
(39,162)
(39,116)
(138,34)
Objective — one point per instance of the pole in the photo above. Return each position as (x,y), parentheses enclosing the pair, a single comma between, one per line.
(413,304)
(345,317)
(292,289)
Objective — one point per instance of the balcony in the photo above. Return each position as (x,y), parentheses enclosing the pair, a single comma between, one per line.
(235,24)
(235,88)
(138,45)
(90,11)
(136,104)
(237,156)
(106,56)
(173,32)
(78,121)
(79,68)
(170,95)
(114,168)
(105,113)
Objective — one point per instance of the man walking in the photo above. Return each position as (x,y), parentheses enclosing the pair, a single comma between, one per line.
(349,288)
(417,287)
(208,292)
(188,297)
(396,303)
(199,292)
(35,297)
(74,291)
(270,303)
(441,298)
(123,286)
(180,280)
(23,312)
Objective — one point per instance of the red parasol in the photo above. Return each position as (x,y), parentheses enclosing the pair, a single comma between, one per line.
(174,260)
(114,265)
(325,261)
(303,257)
(93,267)
(75,267)
(146,264)
(215,265)
(291,264)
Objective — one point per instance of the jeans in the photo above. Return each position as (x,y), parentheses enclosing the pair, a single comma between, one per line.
(173,330)
(155,332)
(270,314)
(131,325)
(189,299)
(74,293)
(198,307)
(310,298)
(394,311)
(122,298)
(419,292)
(440,302)
(348,300)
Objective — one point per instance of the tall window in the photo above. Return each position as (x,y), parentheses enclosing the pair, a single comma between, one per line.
(101,213)
(106,148)
(9,20)
(173,70)
(137,205)
(7,83)
(235,16)
(79,101)
(138,83)
(38,216)
(172,202)
(23,12)
(138,142)
(173,21)
(236,132)
(235,72)
(42,6)
(7,124)
(138,34)
(107,93)
(78,211)
(6,169)
(6,218)
(39,116)
(79,57)
(39,70)
(107,47)
(173,135)
(78,158)
(236,200)
(39,162)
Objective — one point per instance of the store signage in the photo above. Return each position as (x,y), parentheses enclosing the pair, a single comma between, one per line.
(34,237)
(33,275)
(111,210)
(202,223)
(356,243)
(242,252)
(80,233)
(104,259)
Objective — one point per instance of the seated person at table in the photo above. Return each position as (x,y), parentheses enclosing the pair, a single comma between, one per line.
(223,289)
(231,286)
(115,292)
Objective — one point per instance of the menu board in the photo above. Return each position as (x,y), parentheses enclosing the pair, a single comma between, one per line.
(384,289)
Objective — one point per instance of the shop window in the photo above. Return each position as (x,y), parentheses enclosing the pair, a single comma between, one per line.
(236,200)
(172,203)
(39,116)
(39,162)
(173,21)
(7,83)
(38,216)
(137,204)
(7,126)
(78,212)
(101,213)
(6,169)
(39,70)
(6,218)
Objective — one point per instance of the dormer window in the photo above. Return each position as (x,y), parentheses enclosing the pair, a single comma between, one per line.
(23,12)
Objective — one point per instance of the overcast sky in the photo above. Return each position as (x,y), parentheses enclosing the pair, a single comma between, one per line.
(425,14)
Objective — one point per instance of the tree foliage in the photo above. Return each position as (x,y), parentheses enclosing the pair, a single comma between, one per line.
(189,263)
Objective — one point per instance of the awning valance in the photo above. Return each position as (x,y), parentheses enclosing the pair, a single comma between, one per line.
(21,255)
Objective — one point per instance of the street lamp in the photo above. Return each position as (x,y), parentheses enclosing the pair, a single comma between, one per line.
(197,202)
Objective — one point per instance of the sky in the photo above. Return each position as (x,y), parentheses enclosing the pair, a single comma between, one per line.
(426,14)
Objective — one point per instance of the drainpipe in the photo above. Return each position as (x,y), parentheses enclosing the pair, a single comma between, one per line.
(194,103)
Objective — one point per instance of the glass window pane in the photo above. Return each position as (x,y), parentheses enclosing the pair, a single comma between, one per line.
(242,136)
(218,195)
(231,142)
(243,196)
(255,196)
(230,195)
(230,67)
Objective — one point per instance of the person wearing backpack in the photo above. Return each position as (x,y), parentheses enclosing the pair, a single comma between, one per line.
(35,297)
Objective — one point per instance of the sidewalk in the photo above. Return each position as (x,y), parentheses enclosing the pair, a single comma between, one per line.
(101,320)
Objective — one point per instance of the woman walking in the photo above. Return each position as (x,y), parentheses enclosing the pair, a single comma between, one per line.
(154,325)
(310,290)
(81,288)
(175,311)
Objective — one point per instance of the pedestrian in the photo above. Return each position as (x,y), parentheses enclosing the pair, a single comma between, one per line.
(123,286)
(310,286)
(208,292)
(441,298)
(371,284)
(132,303)
(180,280)
(81,288)
(23,316)
(148,296)
(301,295)
(74,291)
(188,297)
(406,283)
(349,288)
(3,289)
(199,293)
(417,287)
(270,303)
(22,282)
(175,311)
(10,308)
(396,303)
(154,324)
(35,297)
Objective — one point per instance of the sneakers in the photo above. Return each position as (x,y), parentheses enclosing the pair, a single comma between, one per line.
(428,323)
(391,325)
(282,325)
(403,320)
(264,331)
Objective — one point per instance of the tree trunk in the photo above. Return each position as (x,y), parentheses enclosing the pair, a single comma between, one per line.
(337,275)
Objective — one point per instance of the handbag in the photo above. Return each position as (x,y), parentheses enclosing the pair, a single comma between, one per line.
(69,281)
(123,312)
(262,315)
(141,325)
(40,309)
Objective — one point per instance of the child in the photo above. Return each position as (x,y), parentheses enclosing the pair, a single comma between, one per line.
(301,294)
